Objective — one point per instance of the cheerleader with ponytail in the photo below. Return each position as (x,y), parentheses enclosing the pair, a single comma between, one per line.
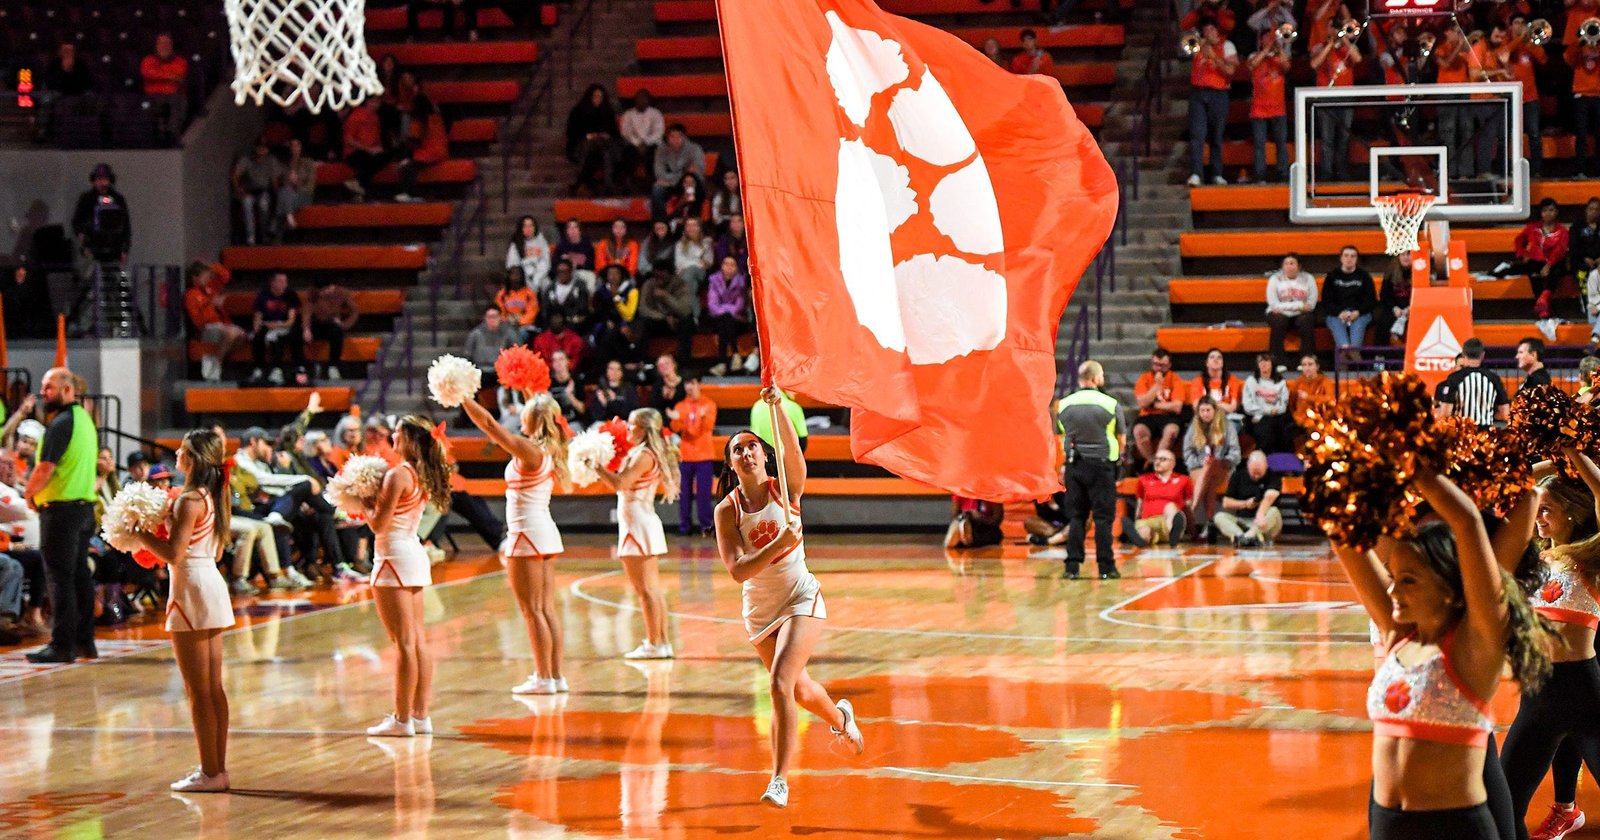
(198,606)
(649,469)
(532,542)
(401,568)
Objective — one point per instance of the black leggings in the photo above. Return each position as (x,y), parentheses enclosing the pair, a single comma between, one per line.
(1564,770)
(1568,707)
(1473,823)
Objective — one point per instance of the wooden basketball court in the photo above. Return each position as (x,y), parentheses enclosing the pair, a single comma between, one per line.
(1208,694)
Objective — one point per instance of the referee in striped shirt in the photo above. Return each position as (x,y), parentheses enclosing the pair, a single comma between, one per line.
(1473,392)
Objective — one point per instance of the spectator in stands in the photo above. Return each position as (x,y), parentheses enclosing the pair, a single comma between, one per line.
(666,384)
(578,251)
(1335,60)
(363,147)
(275,332)
(1249,516)
(299,185)
(593,142)
(29,433)
(1033,59)
(518,304)
(1217,384)
(166,80)
(1265,403)
(378,440)
(1161,396)
(318,451)
(1523,58)
(728,308)
(1212,75)
(27,300)
(688,201)
(1269,67)
(1394,303)
(666,307)
(761,419)
(427,143)
(694,418)
(1164,498)
(728,203)
(692,257)
(468,8)
(565,297)
(1588,366)
(67,87)
(332,313)
(1472,391)
(1488,122)
(1271,15)
(616,302)
(618,249)
(657,250)
(1585,62)
(674,159)
(622,342)
(257,179)
(643,129)
(1291,300)
(614,396)
(488,338)
(992,51)
(102,221)
(1312,388)
(347,436)
(1530,360)
(1349,300)
(558,337)
(1454,58)
(203,304)
(564,389)
(1213,12)
(138,466)
(1584,241)
(1210,451)
(1541,253)
(530,251)
(734,244)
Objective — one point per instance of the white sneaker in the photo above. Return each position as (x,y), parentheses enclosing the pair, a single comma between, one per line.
(436,554)
(406,198)
(645,650)
(333,375)
(392,727)
(561,685)
(211,368)
(355,187)
(1504,266)
(240,586)
(276,520)
(345,574)
(276,376)
(198,782)
(422,726)
(663,651)
(1194,181)
(1218,180)
(752,362)
(850,732)
(777,794)
(299,580)
(535,684)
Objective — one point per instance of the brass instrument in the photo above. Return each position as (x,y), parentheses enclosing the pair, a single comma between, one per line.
(1190,42)
(1349,30)
(1540,32)
(1425,45)
(1589,31)
(1286,36)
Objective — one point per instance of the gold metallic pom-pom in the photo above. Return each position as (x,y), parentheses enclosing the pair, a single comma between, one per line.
(1490,465)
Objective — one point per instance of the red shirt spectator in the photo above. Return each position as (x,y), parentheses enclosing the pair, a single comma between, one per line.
(1521,57)
(164,72)
(362,131)
(1576,15)
(559,338)
(1586,71)
(1266,88)
(1155,493)
(1336,67)
(1214,65)
(1453,57)
(1032,60)
(1538,243)
(1209,12)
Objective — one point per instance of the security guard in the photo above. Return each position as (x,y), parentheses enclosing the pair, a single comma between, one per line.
(1094,431)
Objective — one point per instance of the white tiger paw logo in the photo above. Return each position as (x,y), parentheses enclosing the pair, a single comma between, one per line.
(919,268)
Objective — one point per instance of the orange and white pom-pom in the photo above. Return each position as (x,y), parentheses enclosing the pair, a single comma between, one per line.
(589,450)
(357,485)
(137,508)
(453,380)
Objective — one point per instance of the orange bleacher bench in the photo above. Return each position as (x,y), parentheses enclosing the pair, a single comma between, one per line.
(379,20)
(367,302)
(1254,339)
(674,87)
(426,214)
(330,257)
(1310,240)
(462,93)
(263,400)
(443,172)
(474,130)
(471,52)
(357,348)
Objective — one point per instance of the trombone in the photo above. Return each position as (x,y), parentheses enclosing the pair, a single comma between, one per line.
(1350,29)
(1286,34)
(1540,32)
(1589,31)
(1190,43)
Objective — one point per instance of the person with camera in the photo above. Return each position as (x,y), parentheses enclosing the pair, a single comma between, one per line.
(101,221)
(1094,432)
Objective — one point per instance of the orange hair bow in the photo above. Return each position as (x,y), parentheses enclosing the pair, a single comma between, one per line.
(443,438)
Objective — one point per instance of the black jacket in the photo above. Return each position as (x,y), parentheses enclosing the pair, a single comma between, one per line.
(104,223)
(1341,291)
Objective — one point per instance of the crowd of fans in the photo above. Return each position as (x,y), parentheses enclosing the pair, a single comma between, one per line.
(282,322)
(70,89)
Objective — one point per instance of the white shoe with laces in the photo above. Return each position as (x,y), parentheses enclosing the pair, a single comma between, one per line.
(535,684)
(850,731)
(392,727)
(198,782)
(422,726)
(560,684)
(645,650)
(298,579)
(777,794)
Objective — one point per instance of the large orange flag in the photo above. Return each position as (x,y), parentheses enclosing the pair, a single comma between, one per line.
(918,218)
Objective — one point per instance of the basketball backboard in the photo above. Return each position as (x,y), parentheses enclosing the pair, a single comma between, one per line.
(1353,144)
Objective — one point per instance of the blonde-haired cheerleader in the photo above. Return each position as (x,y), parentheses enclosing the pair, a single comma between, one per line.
(198,605)
(532,543)
(649,469)
(759,539)
(401,568)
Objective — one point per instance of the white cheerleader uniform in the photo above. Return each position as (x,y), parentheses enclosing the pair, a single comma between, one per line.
(530,531)
(784,589)
(398,556)
(198,598)
(639,531)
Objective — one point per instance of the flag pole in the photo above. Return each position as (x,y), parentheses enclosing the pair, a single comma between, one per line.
(750,229)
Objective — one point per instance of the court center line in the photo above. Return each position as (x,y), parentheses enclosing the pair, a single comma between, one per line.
(1005,780)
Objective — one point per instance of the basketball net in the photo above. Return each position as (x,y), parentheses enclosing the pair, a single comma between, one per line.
(313,51)
(1401,216)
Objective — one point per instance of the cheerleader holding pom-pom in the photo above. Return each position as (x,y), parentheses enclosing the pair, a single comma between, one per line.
(198,606)
(649,468)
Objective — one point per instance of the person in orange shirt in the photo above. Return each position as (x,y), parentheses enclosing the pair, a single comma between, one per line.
(203,304)
(1335,60)
(1458,64)
(363,146)
(518,303)
(618,249)
(166,77)
(1033,60)
(1521,55)
(1160,393)
(378,444)
(1489,63)
(1214,65)
(427,141)
(1268,110)
(1585,61)
(1310,389)
(694,419)
(1216,382)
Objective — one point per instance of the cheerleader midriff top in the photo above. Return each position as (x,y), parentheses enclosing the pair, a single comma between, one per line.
(1427,701)
(1565,597)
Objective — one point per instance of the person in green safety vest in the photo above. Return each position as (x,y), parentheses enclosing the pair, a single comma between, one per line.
(62,488)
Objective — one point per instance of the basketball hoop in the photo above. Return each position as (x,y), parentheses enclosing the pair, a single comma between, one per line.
(1401,216)
(308,50)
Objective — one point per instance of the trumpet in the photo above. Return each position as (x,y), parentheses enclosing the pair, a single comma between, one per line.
(1190,43)
(1350,29)
(1286,36)
(1589,31)
(1425,44)
(1540,32)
